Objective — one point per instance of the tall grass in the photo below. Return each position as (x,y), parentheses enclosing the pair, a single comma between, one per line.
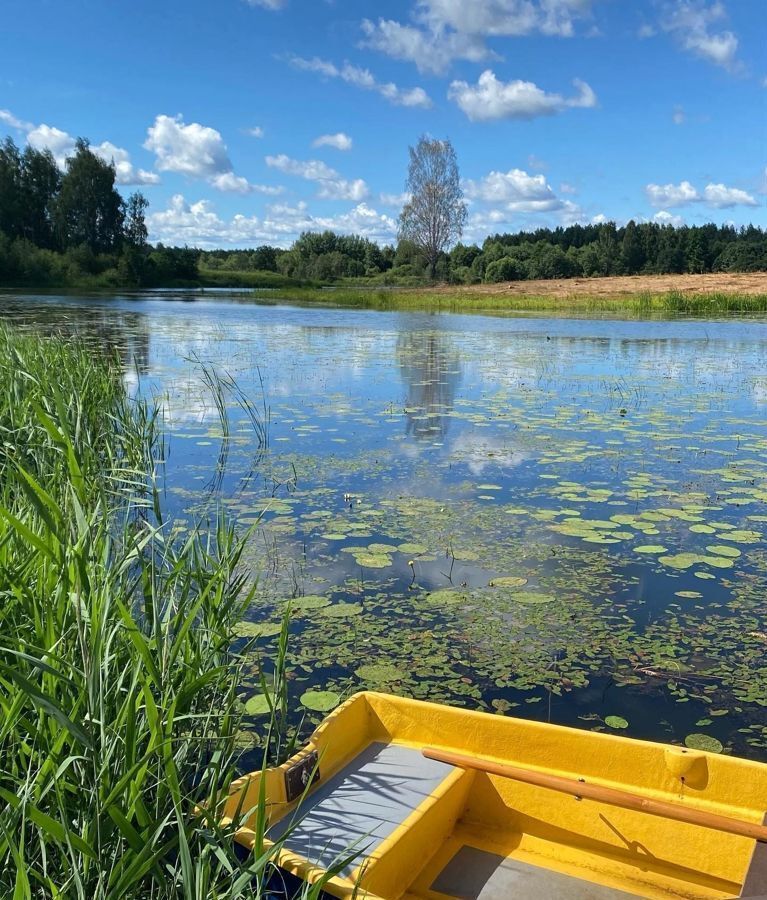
(118,684)
(460,299)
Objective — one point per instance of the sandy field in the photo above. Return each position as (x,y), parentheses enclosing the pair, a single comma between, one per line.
(750,283)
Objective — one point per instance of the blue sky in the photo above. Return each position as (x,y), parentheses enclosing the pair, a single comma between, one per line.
(248,121)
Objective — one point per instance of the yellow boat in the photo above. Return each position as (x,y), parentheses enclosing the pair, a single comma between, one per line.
(441,803)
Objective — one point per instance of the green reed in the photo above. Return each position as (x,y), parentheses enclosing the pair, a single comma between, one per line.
(118,681)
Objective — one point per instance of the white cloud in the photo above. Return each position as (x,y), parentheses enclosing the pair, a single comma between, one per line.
(268,4)
(396,200)
(7,117)
(493,99)
(363,78)
(566,188)
(717,195)
(599,219)
(646,31)
(679,117)
(197,224)
(195,150)
(47,137)
(431,51)
(691,22)
(672,194)
(505,18)
(331,185)
(447,30)
(125,172)
(723,197)
(520,191)
(340,141)
(666,218)
(256,131)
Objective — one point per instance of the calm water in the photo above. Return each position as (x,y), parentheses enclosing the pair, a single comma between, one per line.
(561,518)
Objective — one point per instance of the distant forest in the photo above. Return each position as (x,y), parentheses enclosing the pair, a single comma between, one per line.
(579,250)
(73,228)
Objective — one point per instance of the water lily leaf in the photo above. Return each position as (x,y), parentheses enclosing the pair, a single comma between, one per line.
(616,722)
(310,601)
(723,550)
(447,597)
(320,701)
(257,629)
(703,742)
(258,705)
(379,673)
(680,560)
(650,548)
(688,595)
(512,581)
(412,549)
(373,560)
(702,529)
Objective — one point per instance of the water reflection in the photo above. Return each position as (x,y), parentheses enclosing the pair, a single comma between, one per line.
(430,366)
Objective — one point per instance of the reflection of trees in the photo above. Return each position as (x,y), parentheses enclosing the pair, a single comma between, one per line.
(431,368)
(107,330)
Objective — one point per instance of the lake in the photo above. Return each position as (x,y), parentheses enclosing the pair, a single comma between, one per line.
(556,518)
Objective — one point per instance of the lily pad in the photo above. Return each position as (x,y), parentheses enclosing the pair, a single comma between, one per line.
(650,548)
(310,601)
(320,701)
(379,673)
(723,550)
(703,742)
(512,581)
(616,722)
(257,629)
(258,705)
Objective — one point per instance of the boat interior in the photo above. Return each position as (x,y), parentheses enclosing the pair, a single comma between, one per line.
(402,826)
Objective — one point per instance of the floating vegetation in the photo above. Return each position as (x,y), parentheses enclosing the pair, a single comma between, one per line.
(617,722)
(467,512)
(320,701)
(703,742)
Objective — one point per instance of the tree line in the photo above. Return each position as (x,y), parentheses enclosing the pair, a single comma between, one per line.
(645,248)
(73,226)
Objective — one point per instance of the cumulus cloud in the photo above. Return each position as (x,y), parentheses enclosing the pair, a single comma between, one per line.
(693,23)
(196,151)
(396,200)
(339,141)
(331,185)
(446,30)
(672,194)
(491,99)
(48,137)
(125,172)
(519,190)
(666,218)
(683,194)
(198,225)
(257,131)
(723,197)
(363,78)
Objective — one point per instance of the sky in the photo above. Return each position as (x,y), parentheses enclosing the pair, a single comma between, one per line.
(246,122)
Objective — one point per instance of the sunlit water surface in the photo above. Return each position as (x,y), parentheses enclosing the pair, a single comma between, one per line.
(562,519)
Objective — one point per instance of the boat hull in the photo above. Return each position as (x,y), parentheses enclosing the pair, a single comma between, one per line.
(422,828)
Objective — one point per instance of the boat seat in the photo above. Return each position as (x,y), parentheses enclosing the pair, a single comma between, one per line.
(360,806)
(473,874)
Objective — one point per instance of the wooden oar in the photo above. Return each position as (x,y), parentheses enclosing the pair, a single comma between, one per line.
(623,799)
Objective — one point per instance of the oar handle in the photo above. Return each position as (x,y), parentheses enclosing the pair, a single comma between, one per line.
(624,799)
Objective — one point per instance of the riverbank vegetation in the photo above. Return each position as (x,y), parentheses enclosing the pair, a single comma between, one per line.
(118,680)
(73,229)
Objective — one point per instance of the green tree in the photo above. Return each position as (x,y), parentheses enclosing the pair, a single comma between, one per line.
(89,209)
(10,188)
(434,217)
(134,229)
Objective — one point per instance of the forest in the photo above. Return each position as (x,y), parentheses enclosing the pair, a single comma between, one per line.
(74,229)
